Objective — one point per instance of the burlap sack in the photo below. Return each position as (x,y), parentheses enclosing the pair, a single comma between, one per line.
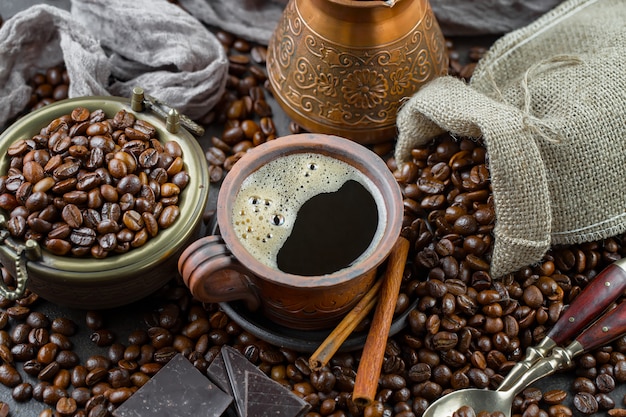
(549,101)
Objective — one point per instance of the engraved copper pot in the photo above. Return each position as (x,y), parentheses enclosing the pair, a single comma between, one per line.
(344,67)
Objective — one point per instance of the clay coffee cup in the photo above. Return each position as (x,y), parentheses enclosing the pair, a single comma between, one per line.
(304,222)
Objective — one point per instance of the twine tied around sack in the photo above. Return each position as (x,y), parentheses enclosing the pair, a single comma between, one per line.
(536,125)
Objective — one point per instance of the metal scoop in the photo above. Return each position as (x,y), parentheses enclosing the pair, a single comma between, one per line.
(597,296)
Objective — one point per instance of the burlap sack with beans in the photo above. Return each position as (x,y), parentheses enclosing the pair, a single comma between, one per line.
(549,101)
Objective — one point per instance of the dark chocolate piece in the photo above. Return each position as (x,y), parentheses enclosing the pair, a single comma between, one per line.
(256,394)
(218,374)
(177,390)
(266,397)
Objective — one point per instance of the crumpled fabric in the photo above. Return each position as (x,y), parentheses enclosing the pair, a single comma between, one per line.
(41,37)
(255,19)
(159,46)
(111,46)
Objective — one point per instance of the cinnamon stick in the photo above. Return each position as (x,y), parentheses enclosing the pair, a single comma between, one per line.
(340,333)
(368,372)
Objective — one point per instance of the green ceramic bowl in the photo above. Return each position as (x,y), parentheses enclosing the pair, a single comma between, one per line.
(90,283)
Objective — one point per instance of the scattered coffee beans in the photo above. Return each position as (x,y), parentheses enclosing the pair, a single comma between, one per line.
(467,329)
(48,87)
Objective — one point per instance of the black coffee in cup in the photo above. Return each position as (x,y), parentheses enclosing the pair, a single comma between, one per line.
(308,214)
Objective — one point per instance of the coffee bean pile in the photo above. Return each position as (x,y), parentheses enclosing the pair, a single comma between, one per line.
(87,184)
(48,87)
(243,110)
(467,329)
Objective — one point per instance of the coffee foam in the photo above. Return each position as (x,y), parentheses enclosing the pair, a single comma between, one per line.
(266,206)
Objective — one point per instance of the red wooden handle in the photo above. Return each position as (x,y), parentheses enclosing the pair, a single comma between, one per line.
(591,302)
(605,330)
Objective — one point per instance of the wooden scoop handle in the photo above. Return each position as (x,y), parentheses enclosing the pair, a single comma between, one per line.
(586,307)
(590,303)
(606,329)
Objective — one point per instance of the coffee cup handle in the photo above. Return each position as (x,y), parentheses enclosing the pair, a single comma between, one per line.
(213,275)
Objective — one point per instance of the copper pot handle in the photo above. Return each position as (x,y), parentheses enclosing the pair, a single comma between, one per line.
(213,275)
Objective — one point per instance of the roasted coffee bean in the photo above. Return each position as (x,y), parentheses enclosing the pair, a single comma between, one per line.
(196,328)
(555,396)
(19,333)
(78,376)
(83,236)
(63,326)
(605,402)
(47,353)
(168,216)
(66,406)
(32,367)
(22,392)
(9,376)
(49,371)
(67,359)
(102,337)
(96,375)
(60,339)
(38,389)
(23,352)
(52,394)
(586,403)
(582,384)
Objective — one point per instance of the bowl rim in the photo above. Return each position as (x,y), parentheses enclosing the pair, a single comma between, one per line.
(117,267)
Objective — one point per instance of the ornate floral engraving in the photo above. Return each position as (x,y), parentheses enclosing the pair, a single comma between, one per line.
(351,88)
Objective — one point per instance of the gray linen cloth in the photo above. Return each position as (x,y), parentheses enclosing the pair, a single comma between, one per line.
(111,46)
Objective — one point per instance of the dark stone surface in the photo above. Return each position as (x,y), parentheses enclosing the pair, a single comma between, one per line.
(177,390)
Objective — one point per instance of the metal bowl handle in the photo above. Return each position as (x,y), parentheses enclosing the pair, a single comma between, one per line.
(15,260)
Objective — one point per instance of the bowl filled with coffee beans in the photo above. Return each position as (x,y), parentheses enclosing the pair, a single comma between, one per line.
(98,196)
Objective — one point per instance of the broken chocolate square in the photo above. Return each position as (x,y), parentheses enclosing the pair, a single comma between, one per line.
(266,397)
(218,374)
(177,390)
(256,394)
